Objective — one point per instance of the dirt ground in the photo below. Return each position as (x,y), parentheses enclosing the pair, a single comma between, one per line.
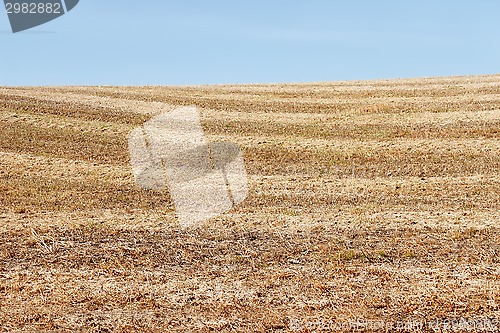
(373,206)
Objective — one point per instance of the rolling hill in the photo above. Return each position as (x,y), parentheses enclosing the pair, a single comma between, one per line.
(371,200)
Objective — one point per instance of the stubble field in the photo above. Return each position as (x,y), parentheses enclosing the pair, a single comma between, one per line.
(375,201)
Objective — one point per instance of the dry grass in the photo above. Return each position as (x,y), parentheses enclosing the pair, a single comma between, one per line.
(368,200)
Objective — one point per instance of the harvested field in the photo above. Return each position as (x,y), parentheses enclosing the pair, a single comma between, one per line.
(375,201)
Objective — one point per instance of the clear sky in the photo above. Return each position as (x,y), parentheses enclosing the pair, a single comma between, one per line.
(179,42)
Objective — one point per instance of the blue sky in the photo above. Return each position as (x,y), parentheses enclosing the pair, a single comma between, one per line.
(166,42)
